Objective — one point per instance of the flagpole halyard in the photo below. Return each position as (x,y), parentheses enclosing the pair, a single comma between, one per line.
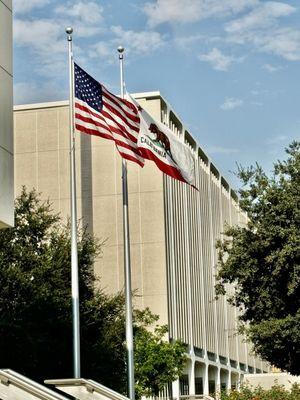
(74,250)
(127,263)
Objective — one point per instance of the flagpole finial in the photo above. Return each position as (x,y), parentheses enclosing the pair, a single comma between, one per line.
(121,51)
(69,31)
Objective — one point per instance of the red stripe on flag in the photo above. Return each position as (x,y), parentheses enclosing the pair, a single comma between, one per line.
(167,169)
(106,118)
(113,110)
(119,128)
(93,132)
(88,110)
(115,103)
(123,103)
(130,158)
(118,144)
(91,121)
(127,146)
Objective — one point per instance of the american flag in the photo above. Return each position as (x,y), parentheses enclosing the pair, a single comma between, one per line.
(99,112)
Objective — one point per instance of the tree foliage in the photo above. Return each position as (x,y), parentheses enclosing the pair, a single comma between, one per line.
(157,361)
(35,301)
(262,259)
(36,309)
(277,392)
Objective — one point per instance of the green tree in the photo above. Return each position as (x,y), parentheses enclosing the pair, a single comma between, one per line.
(158,362)
(262,260)
(35,301)
(36,310)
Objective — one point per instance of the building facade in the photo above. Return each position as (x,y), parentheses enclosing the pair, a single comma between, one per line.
(173,231)
(6,115)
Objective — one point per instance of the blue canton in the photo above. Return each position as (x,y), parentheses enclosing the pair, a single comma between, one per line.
(87,89)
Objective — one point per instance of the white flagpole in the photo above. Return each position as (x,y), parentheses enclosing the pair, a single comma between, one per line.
(127,265)
(74,252)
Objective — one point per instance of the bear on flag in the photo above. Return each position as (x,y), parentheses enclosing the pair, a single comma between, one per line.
(158,143)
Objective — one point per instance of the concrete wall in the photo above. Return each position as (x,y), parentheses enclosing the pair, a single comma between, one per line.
(42,162)
(6,115)
(266,381)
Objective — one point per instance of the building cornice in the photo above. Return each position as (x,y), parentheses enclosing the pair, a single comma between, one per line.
(34,106)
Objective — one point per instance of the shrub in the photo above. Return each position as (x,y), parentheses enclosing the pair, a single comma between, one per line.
(277,392)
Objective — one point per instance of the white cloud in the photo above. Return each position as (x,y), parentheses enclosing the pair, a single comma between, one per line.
(184,11)
(85,17)
(271,68)
(217,59)
(24,6)
(186,41)
(254,23)
(262,16)
(46,42)
(260,28)
(101,49)
(88,12)
(283,42)
(221,150)
(138,42)
(277,139)
(259,91)
(231,103)
(172,11)
(42,34)
(32,92)
(45,38)
(257,103)
(105,51)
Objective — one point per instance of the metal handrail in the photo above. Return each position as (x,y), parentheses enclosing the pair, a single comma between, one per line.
(187,397)
(89,384)
(9,377)
(196,397)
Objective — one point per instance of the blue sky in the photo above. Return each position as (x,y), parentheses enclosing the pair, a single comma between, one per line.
(229,68)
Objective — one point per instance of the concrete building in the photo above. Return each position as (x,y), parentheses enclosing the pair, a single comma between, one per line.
(6,115)
(173,230)
(267,381)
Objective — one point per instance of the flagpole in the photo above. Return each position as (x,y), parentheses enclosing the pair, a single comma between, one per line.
(127,265)
(74,252)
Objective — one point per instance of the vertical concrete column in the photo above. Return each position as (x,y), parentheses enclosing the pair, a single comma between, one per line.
(213,263)
(201,264)
(235,309)
(238,384)
(176,389)
(205,381)
(191,373)
(222,223)
(170,185)
(228,383)
(188,273)
(218,380)
(246,352)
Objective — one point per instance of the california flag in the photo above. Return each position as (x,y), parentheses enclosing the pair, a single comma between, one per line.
(158,143)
